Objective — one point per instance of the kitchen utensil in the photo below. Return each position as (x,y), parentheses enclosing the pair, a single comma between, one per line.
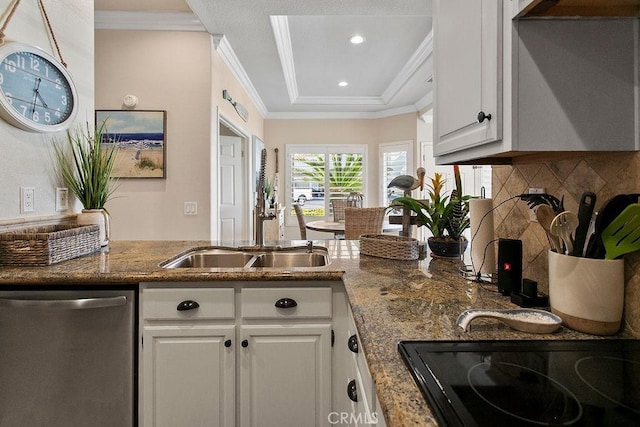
(564,225)
(622,235)
(585,212)
(544,215)
(607,213)
(521,319)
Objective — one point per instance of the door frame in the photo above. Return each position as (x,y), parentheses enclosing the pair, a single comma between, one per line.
(247,151)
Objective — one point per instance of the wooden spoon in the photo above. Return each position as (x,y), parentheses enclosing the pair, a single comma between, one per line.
(564,226)
(544,215)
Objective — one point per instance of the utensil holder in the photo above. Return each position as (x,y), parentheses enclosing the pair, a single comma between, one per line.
(587,293)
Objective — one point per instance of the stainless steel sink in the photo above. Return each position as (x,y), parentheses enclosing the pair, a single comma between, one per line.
(221,257)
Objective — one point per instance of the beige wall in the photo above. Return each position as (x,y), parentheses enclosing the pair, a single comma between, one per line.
(167,71)
(372,132)
(278,133)
(178,72)
(25,157)
(606,174)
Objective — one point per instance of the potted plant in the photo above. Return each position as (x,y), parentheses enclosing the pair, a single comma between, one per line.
(86,167)
(445,216)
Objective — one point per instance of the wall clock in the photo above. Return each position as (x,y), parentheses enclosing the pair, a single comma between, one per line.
(37,93)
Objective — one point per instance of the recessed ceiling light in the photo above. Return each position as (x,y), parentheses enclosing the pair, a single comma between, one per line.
(356,39)
(343,84)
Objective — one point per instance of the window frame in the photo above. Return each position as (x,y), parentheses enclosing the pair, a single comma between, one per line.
(393,147)
(327,150)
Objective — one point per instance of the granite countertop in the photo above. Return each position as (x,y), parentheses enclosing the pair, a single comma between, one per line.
(391,301)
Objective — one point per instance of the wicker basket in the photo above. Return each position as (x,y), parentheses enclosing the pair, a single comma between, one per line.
(389,246)
(48,244)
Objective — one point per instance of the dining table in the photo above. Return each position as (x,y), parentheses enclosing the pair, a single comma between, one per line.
(337,227)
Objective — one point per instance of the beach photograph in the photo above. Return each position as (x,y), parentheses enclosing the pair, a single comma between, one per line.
(140,137)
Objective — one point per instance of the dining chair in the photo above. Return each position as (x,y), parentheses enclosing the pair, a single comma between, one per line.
(358,221)
(301,223)
(338,206)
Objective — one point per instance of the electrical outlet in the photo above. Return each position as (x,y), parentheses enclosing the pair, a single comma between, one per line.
(62,199)
(536,190)
(27,199)
(191,208)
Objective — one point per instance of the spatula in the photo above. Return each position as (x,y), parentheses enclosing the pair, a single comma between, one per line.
(563,226)
(622,235)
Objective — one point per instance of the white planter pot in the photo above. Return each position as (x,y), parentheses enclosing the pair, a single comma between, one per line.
(98,217)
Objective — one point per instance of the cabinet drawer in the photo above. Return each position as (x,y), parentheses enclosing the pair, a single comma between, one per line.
(295,303)
(162,304)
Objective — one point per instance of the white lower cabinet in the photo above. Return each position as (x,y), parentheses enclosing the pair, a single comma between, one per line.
(188,376)
(285,375)
(201,364)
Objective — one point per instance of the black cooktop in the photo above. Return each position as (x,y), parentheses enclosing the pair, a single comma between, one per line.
(528,383)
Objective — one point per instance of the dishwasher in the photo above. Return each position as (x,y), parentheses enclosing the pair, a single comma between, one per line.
(68,356)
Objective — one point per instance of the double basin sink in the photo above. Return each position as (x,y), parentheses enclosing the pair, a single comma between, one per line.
(250,257)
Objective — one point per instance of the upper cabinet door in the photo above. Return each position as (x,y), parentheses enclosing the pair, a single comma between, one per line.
(467,74)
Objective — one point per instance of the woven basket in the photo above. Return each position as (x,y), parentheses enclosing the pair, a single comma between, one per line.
(48,244)
(389,246)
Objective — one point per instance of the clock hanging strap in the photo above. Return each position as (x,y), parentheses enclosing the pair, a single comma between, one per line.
(12,8)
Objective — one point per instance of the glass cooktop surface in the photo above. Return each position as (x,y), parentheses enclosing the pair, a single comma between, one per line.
(528,383)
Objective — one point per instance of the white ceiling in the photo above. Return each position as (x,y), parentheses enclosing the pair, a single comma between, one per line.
(290,55)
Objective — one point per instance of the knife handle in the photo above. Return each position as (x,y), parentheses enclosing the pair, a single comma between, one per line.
(585,212)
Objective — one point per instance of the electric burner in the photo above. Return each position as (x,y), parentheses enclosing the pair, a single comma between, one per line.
(528,383)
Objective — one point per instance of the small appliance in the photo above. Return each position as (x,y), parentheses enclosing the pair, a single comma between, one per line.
(509,266)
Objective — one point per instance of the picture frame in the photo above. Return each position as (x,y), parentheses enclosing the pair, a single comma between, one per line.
(141,138)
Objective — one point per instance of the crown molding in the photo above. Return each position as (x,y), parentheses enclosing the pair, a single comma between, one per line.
(339,100)
(419,57)
(153,21)
(344,115)
(222,46)
(280,25)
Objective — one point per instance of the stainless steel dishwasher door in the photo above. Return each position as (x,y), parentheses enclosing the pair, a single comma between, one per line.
(67,358)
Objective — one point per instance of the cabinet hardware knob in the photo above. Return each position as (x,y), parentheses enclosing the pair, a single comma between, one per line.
(187,305)
(227,343)
(352,343)
(482,116)
(244,343)
(352,392)
(286,303)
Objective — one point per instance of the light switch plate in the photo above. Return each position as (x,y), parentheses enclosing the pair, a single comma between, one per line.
(62,199)
(191,208)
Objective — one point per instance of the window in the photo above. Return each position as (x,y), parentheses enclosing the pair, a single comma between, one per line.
(395,158)
(316,175)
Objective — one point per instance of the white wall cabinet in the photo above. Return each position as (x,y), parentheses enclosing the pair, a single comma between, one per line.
(467,65)
(549,85)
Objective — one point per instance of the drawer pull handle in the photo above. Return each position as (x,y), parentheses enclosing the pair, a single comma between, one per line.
(353,343)
(482,116)
(351,391)
(286,303)
(227,343)
(187,305)
(245,343)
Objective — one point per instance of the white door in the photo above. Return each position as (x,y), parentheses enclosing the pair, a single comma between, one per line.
(188,376)
(232,209)
(285,375)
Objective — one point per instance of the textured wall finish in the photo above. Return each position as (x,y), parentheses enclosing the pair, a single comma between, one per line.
(606,174)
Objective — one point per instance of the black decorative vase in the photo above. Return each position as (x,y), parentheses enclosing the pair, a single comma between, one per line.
(447,248)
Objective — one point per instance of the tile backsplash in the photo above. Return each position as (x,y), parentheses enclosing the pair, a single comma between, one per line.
(605,174)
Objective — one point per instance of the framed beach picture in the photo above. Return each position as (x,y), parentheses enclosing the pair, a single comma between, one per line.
(140,136)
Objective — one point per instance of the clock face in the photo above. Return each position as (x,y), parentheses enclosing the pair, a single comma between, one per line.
(37,93)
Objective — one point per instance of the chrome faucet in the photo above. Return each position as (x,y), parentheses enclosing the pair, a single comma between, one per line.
(260,215)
